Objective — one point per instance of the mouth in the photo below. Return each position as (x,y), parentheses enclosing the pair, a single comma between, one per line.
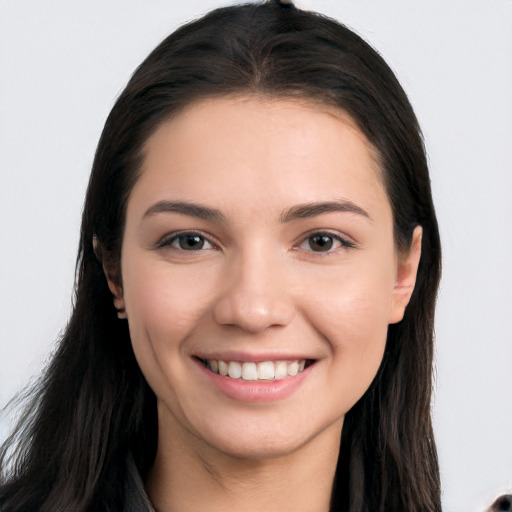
(260,371)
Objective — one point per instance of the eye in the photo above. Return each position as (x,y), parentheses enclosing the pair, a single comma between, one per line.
(187,242)
(324,243)
(320,243)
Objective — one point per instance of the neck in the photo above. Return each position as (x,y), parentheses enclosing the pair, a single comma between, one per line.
(188,475)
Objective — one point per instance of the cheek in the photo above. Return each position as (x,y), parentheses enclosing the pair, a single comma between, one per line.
(358,343)
(160,299)
(355,300)
(163,308)
(356,323)
(353,319)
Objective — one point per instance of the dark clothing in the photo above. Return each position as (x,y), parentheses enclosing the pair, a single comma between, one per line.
(136,497)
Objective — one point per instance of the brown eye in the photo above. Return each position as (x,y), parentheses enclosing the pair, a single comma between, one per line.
(325,242)
(188,242)
(321,243)
(191,242)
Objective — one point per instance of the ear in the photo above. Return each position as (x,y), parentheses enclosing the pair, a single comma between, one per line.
(407,268)
(117,292)
(113,279)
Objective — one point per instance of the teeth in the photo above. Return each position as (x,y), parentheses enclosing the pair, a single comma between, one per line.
(265,370)
(249,371)
(281,370)
(223,368)
(293,368)
(234,370)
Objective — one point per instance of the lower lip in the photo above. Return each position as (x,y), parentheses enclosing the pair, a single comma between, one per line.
(256,391)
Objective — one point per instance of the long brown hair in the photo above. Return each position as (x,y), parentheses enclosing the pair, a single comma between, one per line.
(93,406)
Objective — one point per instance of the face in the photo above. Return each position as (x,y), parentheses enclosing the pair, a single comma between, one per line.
(259,274)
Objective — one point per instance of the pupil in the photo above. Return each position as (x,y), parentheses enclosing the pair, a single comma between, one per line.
(191,242)
(320,242)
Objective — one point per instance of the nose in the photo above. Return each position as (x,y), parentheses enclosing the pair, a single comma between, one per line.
(255,297)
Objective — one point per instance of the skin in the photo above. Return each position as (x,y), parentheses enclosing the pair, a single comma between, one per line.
(259,287)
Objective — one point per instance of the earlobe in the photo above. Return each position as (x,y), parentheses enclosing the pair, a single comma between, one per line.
(407,268)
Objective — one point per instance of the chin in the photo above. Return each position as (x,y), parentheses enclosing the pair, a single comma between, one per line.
(252,440)
(259,446)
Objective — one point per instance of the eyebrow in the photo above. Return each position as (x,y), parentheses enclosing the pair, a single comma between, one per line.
(185,208)
(308,210)
(301,211)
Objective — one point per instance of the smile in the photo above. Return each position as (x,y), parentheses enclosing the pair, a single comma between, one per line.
(250,371)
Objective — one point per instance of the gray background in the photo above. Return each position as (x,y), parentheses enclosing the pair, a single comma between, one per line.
(62,63)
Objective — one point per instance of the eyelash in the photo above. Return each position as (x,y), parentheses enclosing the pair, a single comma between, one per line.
(344,243)
(174,238)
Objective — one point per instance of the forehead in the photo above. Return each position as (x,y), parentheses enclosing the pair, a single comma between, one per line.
(263,117)
(266,149)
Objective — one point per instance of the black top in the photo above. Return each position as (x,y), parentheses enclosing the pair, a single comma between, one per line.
(136,499)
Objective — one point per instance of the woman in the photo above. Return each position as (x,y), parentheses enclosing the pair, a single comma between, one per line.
(258,268)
